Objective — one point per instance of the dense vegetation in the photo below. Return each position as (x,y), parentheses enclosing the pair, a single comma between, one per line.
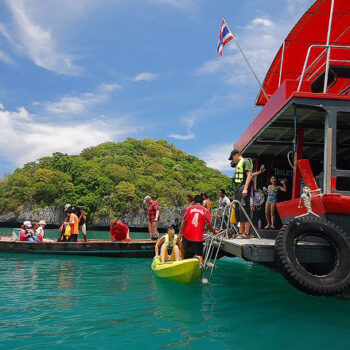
(111,179)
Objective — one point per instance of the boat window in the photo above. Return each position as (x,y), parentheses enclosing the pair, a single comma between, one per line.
(343,141)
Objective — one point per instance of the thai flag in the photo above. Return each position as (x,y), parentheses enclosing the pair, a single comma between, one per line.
(224,37)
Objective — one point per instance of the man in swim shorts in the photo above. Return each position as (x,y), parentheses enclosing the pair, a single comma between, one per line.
(192,227)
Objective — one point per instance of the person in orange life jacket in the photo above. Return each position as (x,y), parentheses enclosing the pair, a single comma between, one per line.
(169,244)
(81,217)
(243,179)
(74,224)
(192,227)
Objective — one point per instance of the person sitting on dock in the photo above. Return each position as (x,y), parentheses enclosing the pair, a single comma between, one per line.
(169,250)
(192,228)
(35,237)
(40,230)
(153,217)
(119,231)
(243,180)
(25,233)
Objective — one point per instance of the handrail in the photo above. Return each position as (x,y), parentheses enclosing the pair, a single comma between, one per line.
(209,253)
(247,216)
(327,50)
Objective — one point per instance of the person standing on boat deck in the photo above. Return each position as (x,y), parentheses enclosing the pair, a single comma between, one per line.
(74,225)
(82,221)
(192,227)
(169,250)
(270,207)
(223,203)
(243,180)
(119,231)
(206,201)
(153,217)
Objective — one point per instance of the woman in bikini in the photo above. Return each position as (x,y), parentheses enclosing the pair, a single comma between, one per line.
(272,192)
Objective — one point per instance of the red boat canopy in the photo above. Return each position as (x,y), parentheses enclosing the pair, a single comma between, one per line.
(312,29)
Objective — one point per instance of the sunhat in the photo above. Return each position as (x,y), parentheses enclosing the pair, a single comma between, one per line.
(66,207)
(42,222)
(27,223)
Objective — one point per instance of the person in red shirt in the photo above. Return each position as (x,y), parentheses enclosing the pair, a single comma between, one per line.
(192,227)
(153,217)
(119,231)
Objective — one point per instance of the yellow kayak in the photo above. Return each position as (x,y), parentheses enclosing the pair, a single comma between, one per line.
(183,271)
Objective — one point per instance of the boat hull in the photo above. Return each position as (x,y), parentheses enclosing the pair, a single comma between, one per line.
(184,271)
(132,249)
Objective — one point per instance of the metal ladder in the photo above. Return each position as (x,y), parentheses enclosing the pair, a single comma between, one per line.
(209,247)
(215,241)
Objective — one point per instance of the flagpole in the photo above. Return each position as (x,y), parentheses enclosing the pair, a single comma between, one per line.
(257,79)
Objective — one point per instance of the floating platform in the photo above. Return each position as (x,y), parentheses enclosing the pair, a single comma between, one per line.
(263,250)
(131,249)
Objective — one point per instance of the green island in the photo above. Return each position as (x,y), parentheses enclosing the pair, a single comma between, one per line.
(111,179)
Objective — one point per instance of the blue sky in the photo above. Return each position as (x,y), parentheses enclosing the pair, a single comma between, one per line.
(78,73)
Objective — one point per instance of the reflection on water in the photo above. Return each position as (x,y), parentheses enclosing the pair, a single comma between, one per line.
(95,303)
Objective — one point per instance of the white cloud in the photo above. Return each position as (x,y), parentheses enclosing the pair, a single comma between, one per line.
(188,136)
(216,156)
(24,139)
(145,77)
(29,38)
(72,105)
(109,87)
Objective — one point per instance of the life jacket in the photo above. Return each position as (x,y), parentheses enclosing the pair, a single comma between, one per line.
(170,244)
(239,171)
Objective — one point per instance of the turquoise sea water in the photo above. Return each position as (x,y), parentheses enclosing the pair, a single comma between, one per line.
(62,302)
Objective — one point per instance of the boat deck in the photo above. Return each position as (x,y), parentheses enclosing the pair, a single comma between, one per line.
(131,249)
(263,250)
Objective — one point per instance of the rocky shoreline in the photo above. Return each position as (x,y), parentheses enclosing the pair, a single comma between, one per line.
(54,216)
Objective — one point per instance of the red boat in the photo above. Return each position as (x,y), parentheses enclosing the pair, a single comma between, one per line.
(305,121)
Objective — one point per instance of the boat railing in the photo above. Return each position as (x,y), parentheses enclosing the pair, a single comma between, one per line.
(214,217)
(225,222)
(326,52)
(247,217)
(224,218)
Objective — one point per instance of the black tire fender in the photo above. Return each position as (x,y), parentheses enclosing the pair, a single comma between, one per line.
(334,283)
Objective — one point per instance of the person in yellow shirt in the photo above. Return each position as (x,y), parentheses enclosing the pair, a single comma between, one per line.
(74,225)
